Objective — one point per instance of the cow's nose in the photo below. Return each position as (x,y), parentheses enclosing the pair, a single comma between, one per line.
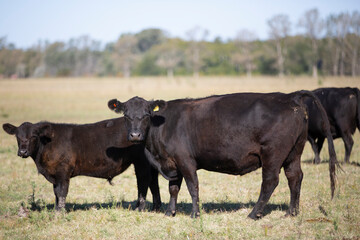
(22,152)
(135,136)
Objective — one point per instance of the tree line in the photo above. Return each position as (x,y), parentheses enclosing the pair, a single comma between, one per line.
(327,46)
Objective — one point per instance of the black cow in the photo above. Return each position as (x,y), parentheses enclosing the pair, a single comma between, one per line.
(63,151)
(233,134)
(342,106)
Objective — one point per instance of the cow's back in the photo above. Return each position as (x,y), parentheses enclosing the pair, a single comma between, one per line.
(99,149)
(229,129)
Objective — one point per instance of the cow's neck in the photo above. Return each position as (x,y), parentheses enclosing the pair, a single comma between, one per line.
(36,155)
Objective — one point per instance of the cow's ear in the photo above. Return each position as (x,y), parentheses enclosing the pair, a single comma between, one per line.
(46,130)
(116,106)
(9,128)
(157,105)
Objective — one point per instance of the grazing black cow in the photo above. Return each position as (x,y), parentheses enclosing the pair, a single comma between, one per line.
(63,151)
(342,106)
(233,134)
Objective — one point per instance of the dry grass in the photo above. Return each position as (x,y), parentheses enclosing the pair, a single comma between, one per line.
(96,210)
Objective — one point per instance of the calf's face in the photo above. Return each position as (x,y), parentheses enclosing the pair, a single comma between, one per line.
(137,113)
(28,136)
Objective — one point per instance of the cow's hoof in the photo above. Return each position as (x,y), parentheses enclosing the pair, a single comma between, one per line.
(292,213)
(256,216)
(60,211)
(316,161)
(170,213)
(195,214)
(156,208)
(139,209)
(140,205)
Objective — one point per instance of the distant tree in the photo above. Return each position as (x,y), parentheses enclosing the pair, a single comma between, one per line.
(153,52)
(279,30)
(337,29)
(244,43)
(313,25)
(354,42)
(125,50)
(169,56)
(216,60)
(2,42)
(146,66)
(299,55)
(197,36)
(86,54)
(332,45)
(148,38)
(21,70)
(58,60)
(11,59)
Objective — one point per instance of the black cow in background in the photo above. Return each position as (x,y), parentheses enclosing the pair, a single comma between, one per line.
(233,134)
(63,151)
(342,106)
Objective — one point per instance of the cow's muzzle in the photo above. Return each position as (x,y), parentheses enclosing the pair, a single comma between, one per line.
(23,153)
(135,136)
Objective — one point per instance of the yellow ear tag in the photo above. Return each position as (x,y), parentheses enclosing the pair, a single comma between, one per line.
(156,108)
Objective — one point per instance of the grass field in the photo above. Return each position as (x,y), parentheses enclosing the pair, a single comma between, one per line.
(96,210)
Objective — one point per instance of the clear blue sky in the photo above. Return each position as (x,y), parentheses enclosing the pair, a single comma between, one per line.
(27,21)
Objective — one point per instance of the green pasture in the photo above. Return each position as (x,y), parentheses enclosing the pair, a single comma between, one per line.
(97,210)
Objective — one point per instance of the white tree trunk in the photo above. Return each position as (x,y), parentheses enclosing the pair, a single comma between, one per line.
(314,71)
(354,63)
(280,58)
(170,73)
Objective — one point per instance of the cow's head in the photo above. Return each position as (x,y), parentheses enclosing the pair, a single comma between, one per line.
(29,136)
(137,112)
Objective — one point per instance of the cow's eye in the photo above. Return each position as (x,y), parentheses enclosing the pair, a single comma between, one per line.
(24,140)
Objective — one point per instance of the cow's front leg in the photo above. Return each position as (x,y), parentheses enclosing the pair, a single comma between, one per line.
(143,178)
(174,188)
(315,149)
(61,190)
(154,188)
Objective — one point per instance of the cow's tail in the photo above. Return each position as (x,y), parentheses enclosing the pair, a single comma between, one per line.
(326,128)
(358,107)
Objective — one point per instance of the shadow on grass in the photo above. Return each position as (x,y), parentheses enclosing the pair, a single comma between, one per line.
(326,161)
(355,164)
(311,161)
(210,207)
(96,205)
(182,207)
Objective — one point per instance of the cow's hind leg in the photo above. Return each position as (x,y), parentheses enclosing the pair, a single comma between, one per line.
(270,179)
(192,184)
(348,142)
(174,188)
(294,176)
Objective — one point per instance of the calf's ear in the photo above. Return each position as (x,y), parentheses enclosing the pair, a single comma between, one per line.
(46,131)
(9,129)
(116,106)
(157,105)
